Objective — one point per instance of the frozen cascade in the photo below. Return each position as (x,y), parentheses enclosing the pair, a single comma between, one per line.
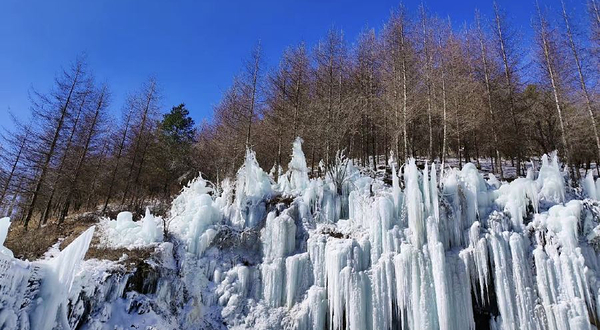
(450,251)
(253,188)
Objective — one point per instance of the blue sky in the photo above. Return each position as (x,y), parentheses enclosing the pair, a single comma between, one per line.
(193,48)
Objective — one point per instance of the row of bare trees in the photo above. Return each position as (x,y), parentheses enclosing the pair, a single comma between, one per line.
(420,87)
(417,87)
(74,156)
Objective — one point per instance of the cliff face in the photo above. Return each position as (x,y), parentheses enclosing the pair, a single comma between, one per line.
(435,250)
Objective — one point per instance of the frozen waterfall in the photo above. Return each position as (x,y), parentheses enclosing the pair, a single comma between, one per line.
(431,251)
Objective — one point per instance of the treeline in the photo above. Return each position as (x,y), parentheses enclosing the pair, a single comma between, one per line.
(73,155)
(419,87)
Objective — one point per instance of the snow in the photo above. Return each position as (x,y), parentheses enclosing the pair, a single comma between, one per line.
(433,250)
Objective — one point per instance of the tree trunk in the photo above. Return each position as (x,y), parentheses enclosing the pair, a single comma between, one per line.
(50,152)
(489,94)
(46,212)
(149,97)
(13,169)
(114,172)
(509,85)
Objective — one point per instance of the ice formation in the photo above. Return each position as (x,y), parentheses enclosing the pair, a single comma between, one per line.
(4,225)
(295,179)
(124,232)
(590,187)
(346,251)
(35,295)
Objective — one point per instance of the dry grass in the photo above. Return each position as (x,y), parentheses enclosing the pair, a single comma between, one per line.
(33,243)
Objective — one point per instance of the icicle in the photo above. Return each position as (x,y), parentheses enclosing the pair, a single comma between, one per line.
(273,276)
(278,236)
(426,195)
(438,270)
(297,168)
(434,194)
(414,204)
(4,225)
(589,186)
(396,191)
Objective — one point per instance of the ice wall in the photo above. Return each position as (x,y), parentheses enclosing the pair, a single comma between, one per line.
(431,251)
(457,252)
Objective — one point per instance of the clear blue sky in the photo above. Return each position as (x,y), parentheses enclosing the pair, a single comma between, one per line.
(193,48)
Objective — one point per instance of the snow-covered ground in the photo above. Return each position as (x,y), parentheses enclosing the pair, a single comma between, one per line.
(436,249)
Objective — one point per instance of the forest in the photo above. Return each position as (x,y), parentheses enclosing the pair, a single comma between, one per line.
(419,86)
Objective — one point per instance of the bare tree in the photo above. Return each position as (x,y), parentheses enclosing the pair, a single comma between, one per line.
(488,88)
(251,85)
(397,58)
(594,10)
(13,157)
(505,48)
(65,153)
(580,73)
(549,53)
(442,68)
(91,131)
(66,85)
(145,109)
(119,152)
(427,61)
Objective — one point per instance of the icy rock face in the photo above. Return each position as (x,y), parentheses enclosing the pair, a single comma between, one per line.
(19,284)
